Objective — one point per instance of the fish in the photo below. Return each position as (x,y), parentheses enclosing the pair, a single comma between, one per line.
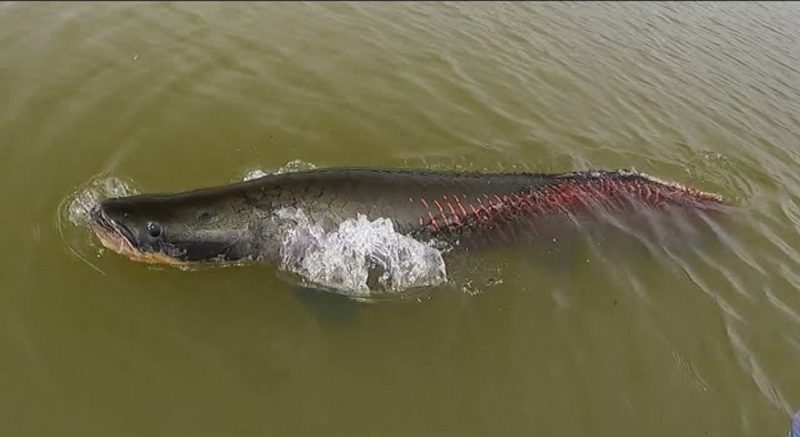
(241,222)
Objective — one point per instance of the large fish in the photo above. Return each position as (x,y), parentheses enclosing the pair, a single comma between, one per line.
(240,222)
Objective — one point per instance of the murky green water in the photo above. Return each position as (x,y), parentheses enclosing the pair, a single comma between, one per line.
(643,339)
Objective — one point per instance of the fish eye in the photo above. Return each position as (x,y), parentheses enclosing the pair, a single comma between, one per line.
(154,229)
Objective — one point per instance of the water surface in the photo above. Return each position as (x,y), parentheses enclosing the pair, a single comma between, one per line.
(645,336)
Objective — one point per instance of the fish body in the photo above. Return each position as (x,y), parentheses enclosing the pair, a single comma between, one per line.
(239,222)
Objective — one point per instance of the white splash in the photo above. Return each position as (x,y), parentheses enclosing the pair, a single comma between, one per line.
(289,167)
(254,174)
(360,258)
(90,196)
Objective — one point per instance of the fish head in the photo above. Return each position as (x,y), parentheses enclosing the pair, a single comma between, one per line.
(171,229)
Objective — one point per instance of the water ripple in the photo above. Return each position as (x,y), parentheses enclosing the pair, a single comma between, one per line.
(177,96)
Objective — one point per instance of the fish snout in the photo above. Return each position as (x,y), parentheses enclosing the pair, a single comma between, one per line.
(99,219)
(96,213)
(110,230)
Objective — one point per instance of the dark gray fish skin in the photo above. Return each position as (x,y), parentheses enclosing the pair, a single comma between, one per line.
(237,222)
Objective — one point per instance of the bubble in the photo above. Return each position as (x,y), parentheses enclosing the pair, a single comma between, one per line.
(289,167)
(254,174)
(294,166)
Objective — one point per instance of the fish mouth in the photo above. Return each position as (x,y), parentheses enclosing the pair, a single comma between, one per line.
(113,235)
(119,239)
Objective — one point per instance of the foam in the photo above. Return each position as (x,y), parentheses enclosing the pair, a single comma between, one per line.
(90,196)
(359,258)
(289,167)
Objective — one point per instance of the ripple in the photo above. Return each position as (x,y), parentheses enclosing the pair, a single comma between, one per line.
(177,96)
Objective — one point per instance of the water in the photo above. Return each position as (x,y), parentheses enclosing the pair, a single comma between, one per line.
(602,335)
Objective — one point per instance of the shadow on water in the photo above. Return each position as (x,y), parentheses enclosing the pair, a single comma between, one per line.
(338,309)
(328,307)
